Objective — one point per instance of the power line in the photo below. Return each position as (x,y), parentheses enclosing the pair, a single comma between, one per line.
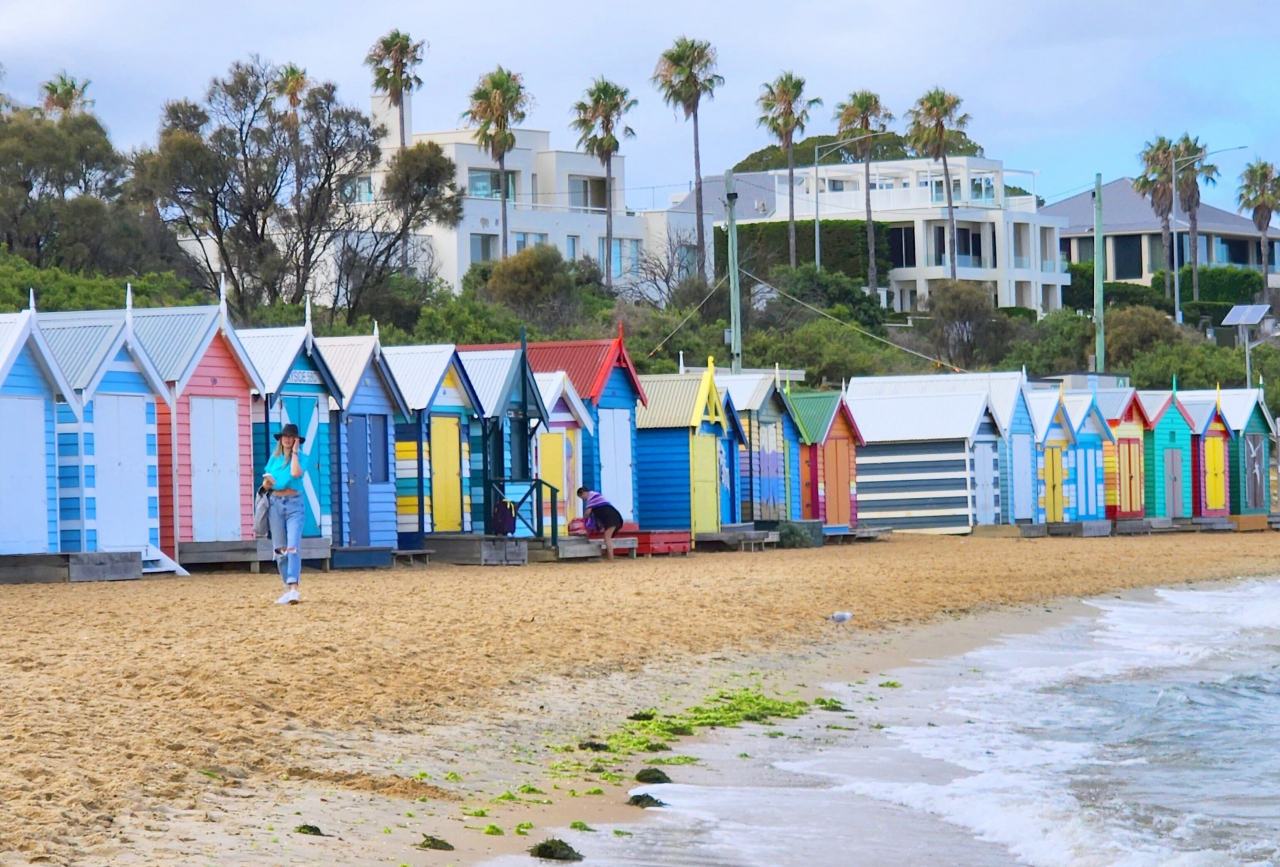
(663,341)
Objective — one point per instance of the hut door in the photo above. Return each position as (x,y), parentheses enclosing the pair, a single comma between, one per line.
(984,461)
(1053,485)
(809,485)
(1173,483)
(551,469)
(1126,472)
(705,478)
(446,475)
(120,457)
(358,480)
(24,506)
(617,474)
(215,470)
(771,481)
(1023,461)
(1255,462)
(1087,484)
(1215,492)
(729,464)
(304,411)
(836,469)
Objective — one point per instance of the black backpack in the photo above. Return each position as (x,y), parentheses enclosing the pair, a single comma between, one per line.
(504,517)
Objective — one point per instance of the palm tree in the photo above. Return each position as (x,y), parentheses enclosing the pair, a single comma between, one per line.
(1156,183)
(499,102)
(393,59)
(65,95)
(598,122)
(860,118)
(1260,193)
(291,84)
(785,112)
(686,72)
(1189,156)
(935,118)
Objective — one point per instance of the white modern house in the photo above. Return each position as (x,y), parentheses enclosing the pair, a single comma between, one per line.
(554,197)
(1003,239)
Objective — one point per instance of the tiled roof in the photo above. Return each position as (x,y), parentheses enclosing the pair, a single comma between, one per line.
(1124,210)
(915,417)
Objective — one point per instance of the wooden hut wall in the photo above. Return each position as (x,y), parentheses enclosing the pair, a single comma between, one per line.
(663,461)
(1250,467)
(1123,459)
(29,446)
(448,416)
(892,492)
(1169,439)
(618,401)
(1018,467)
(365,483)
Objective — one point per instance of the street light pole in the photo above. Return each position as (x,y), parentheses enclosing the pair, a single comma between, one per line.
(1174,162)
(817,225)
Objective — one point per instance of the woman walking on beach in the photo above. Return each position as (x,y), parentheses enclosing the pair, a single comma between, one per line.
(282,480)
(602,517)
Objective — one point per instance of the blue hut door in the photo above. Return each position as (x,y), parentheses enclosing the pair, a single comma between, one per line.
(728,490)
(984,458)
(358,479)
(24,505)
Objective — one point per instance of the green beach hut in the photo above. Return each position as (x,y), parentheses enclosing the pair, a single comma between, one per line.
(1166,455)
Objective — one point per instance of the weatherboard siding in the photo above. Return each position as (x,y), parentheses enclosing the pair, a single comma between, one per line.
(27,379)
(662,463)
(371,398)
(1019,423)
(1171,432)
(915,486)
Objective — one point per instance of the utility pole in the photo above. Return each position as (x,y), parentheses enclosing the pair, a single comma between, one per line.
(1099,276)
(817,225)
(735,292)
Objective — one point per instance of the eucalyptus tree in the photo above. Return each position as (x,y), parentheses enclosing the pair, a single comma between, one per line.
(784,111)
(934,121)
(598,120)
(499,103)
(861,118)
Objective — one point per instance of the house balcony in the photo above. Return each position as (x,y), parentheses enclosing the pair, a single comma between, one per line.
(853,203)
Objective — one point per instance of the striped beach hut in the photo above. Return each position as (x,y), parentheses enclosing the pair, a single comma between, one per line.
(680,432)
(433,443)
(33,391)
(1087,457)
(108,456)
(206,442)
(1008,496)
(1166,455)
(559,445)
(828,481)
(1123,460)
(298,386)
(363,418)
(501,445)
(1056,492)
(1211,439)
(1245,412)
(770,458)
(918,469)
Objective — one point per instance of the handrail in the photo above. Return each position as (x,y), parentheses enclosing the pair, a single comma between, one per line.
(497,490)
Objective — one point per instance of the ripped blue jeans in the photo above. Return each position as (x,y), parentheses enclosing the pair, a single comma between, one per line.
(286,516)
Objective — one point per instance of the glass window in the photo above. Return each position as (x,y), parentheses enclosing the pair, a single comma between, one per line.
(835,185)
(529,239)
(1128,256)
(483,247)
(687,259)
(626,256)
(586,194)
(484,184)
(378,472)
(571,248)
(1084,249)
(633,256)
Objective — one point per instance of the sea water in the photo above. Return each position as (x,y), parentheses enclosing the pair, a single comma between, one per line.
(1146,735)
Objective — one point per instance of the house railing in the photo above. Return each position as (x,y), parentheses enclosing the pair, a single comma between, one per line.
(532,499)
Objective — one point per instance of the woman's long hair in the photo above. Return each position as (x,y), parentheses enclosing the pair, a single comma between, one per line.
(279,452)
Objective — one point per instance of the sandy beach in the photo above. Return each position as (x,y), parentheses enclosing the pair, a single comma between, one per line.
(173,720)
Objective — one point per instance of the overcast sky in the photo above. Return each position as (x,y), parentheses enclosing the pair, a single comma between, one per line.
(1067,88)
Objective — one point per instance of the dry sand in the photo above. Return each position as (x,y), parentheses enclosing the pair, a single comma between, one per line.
(149,721)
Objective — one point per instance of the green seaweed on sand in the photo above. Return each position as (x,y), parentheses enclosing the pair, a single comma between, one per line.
(890,684)
(437,843)
(581,826)
(829,704)
(555,850)
(494,831)
(523,829)
(310,830)
(618,832)
(642,715)
(453,776)
(645,801)
(652,776)
(673,760)
(527,789)
(479,813)
(595,791)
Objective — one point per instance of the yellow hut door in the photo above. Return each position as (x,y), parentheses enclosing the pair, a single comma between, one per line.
(446,475)
(1053,485)
(1215,490)
(705,479)
(551,467)
(572,477)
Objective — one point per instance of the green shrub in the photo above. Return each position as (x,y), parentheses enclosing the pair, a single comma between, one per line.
(793,536)
(1227,284)
(1135,295)
(761,246)
(1025,313)
(1193,311)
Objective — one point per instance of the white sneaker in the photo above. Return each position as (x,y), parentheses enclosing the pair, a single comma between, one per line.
(290,597)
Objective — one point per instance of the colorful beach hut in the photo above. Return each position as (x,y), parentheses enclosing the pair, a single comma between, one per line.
(680,431)
(1056,492)
(731,448)
(559,445)
(1211,439)
(433,443)
(903,433)
(1123,461)
(108,464)
(1245,412)
(828,481)
(1087,458)
(33,392)
(298,386)
(1166,455)
(770,458)
(1014,456)
(205,444)
(502,444)
(364,478)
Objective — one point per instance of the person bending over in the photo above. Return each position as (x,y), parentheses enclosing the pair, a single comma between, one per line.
(282,480)
(602,517)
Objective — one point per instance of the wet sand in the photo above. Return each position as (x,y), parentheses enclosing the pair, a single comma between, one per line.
(167,720)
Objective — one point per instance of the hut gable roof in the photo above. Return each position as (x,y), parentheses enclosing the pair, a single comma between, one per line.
(1114,404)
(1002,388)
(552,387)
(16,330)
(588,363)
(1156,403)
(494,373)
(1201,412)
(176,338)
(816,412)
(420,371)
(274,350)
(916,417)
(680,400)
(85,342)
(1081,410)
(1045,406)
(349,357)
(1238,404)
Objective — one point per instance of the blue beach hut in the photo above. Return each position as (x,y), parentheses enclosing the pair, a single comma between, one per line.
(770,460)
(31,387)
(433,443)
(1087,498)
(731,446)
(1055,470)
(299,386)
(108,475)
(364,431)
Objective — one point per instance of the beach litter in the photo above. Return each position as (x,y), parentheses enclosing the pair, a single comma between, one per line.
(555,850)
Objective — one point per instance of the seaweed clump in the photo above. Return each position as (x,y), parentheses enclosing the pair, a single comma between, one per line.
(437,843)
(652,776)
(312,830)
(555,850)
(644,801)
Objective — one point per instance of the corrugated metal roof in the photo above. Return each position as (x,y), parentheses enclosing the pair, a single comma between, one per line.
(1237,403)
(419,370)
(918,417)
(10,328)
(272,351)
(1042,405)
(749,390)
(673,398)
(347,358)
(814,412)
(171,336)
(1154,403)
(1200,411)
(1002,388)
(81,340)
(587,362)
(491,372)
(552,386)
(1112,402)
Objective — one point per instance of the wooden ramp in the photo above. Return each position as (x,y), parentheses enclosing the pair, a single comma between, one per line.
(362,557)
(578,548)
(62,568)
(855,534)
(468,549)
(244,552)
(1251,523)
(737,540)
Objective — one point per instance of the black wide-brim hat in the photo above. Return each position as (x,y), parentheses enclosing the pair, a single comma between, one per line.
(291,430)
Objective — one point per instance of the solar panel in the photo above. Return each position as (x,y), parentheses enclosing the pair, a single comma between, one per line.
(1246,314)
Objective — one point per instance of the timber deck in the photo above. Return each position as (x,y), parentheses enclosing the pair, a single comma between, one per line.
(63,568)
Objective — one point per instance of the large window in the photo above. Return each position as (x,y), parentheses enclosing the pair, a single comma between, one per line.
(485,184)
(586,194)
(571,248)
(378,472)
(1084,249)
(626,255)
(1128,257)
(483,247)
(529,239)
(902,246)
